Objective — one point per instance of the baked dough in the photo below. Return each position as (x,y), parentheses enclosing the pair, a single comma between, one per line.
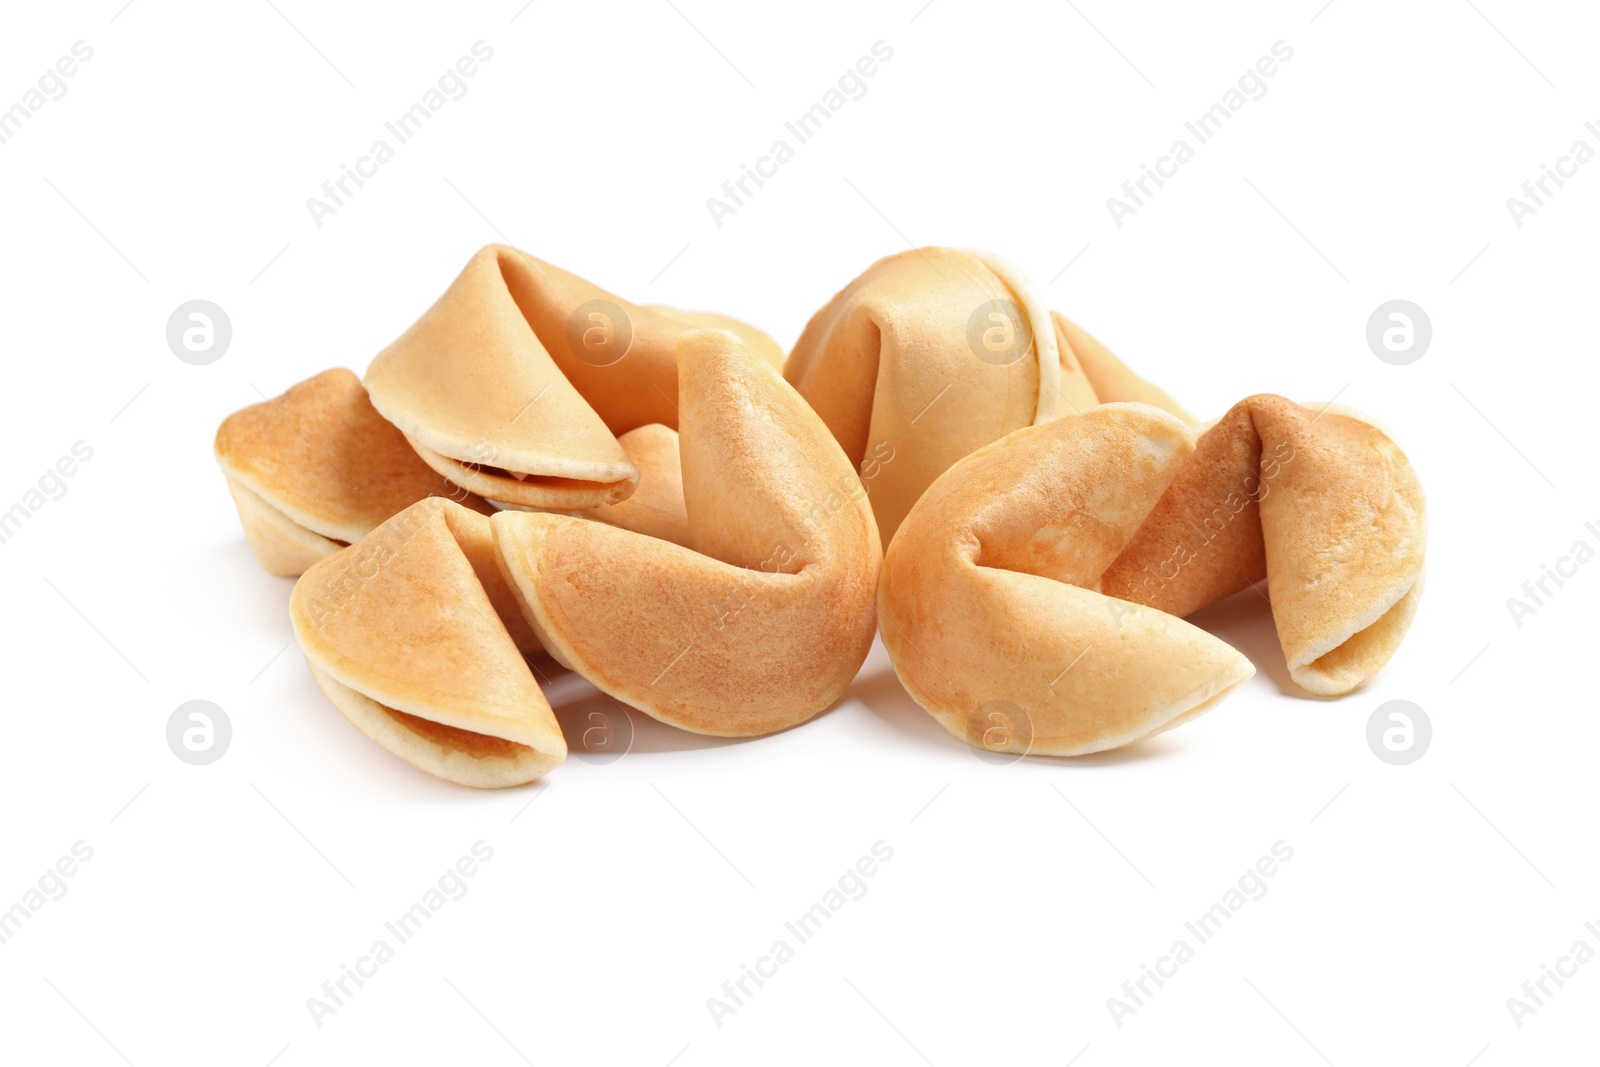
(1320,503)
(516,383)
(988,604)
(403,631)
(318,468)
(762,619)
(1039,584)
(656,506)
(935,352)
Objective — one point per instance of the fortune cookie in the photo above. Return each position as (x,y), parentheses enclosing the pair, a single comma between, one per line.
(935,352)
(1322,504)
(318,468)
(761,617)
(988,601)
(517,382)
(656,507)
(411,633)
(1031,601)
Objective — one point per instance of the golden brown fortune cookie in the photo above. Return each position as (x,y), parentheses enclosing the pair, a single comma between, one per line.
(410,632)
(988,600)
(1320,503)
(518,380)
(1031,601)
(656,507)
(762,618)
(317,468)
(935,352)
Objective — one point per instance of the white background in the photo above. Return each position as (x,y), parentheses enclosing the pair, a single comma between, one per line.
(1019,898)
